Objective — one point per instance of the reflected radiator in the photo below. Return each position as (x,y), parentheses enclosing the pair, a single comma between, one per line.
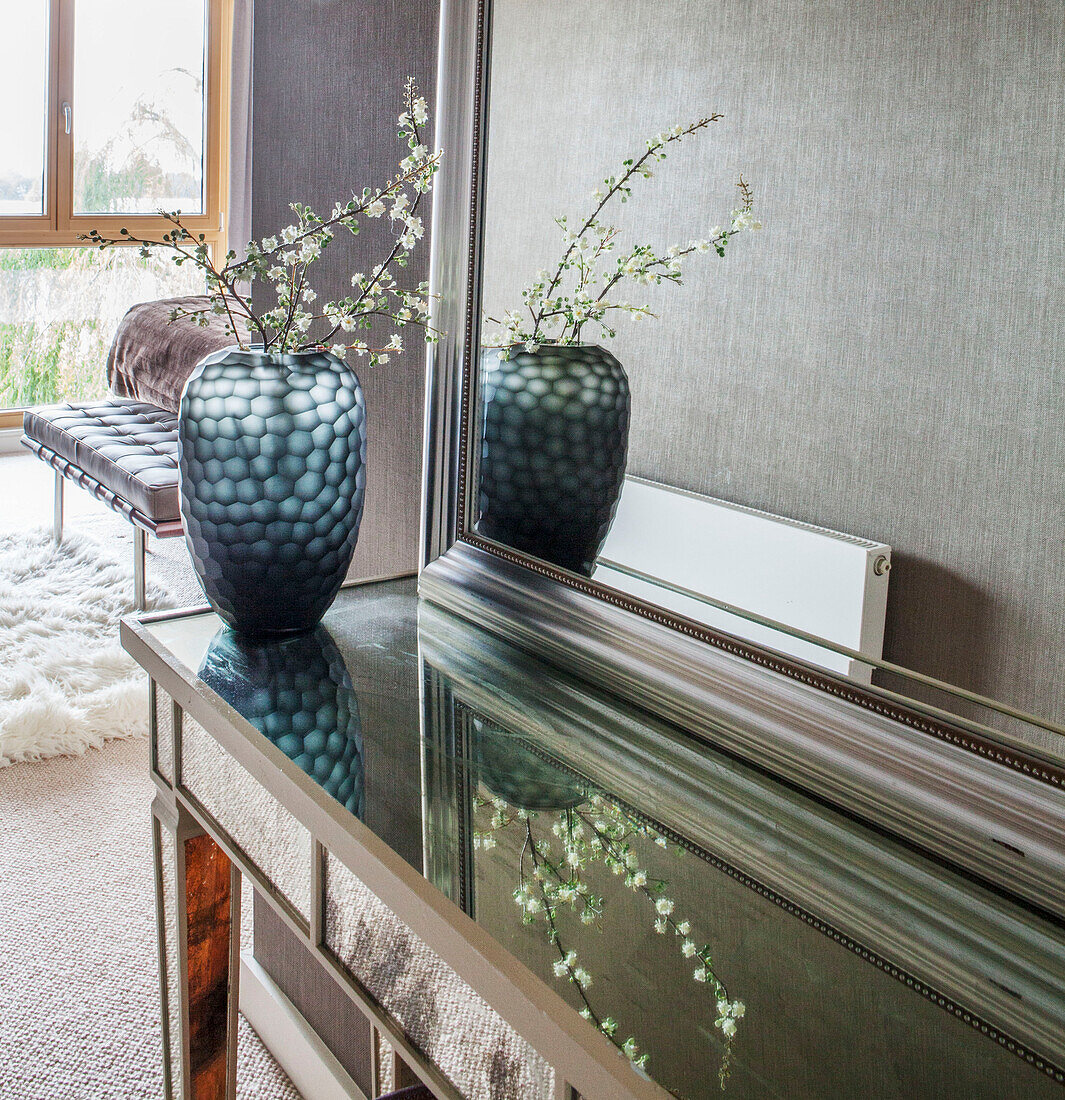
(822,582)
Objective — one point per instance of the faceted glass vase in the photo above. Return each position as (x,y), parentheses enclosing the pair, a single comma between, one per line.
(272,472)
(553,450)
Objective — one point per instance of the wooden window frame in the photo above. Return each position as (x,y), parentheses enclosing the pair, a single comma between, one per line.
(59,226)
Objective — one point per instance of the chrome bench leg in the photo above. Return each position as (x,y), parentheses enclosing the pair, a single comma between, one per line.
(140,537)
(57,509)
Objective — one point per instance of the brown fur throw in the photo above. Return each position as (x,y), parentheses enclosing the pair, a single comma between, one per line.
(151,357)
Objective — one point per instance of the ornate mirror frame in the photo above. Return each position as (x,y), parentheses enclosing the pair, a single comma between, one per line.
(984,799)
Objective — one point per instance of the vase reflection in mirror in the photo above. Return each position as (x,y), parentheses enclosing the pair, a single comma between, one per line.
(553,448)
(298,694)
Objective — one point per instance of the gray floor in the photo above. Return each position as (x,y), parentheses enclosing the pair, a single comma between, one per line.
(79,1000)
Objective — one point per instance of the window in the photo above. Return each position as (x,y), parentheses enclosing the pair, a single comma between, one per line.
(112,111)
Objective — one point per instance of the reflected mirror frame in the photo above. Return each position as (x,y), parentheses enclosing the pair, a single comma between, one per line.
(463,570)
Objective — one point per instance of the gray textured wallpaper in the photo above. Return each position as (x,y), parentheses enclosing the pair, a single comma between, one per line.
(886,357)
(328,88)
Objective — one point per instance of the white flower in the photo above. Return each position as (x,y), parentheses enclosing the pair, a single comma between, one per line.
(587,916)
(687,949)
(664,906)
(399,205)
(661,926)
(729,1028)
(582,977)
(420,111)
(339,350)
(700,974)
(384,359)
(415,226)
(560,968)
(744,220)
(269,244)
(276,273)
(375,209)
(684,927)
(639,879)
(309,295)
(289,234)
(396,343)
(737,1010)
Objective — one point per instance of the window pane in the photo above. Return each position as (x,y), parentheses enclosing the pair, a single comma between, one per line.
(139,106)
(59,308)
(23,93)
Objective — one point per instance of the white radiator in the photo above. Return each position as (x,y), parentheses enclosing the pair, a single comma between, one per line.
(822,582)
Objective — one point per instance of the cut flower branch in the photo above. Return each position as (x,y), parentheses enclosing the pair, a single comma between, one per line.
(296,322)
(582,288)
(551,880)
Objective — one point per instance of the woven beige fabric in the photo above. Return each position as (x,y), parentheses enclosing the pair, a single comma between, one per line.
(79,991)
(471,1044)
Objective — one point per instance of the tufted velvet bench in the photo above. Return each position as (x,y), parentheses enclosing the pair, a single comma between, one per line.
(125,453)
(123,448)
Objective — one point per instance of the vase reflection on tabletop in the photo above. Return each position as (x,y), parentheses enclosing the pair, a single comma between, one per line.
(298,694)
(511,770)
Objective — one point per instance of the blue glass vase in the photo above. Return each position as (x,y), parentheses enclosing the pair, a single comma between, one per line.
(553,451)
(272,472)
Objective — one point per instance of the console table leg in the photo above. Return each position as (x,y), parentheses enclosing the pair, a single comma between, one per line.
(198,909)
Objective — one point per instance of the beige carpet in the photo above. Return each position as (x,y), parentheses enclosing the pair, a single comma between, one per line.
(79,999)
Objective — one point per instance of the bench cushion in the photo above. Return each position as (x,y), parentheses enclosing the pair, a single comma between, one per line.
(129,447)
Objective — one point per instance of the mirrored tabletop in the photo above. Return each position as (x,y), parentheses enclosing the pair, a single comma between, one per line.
(722,928)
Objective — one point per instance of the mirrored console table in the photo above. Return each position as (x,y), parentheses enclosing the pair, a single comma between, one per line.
(533,890)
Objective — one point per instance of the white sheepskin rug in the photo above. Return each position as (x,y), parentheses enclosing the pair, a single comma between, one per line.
(66,684)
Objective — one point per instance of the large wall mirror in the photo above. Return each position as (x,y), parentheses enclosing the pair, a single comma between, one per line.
(841,441)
